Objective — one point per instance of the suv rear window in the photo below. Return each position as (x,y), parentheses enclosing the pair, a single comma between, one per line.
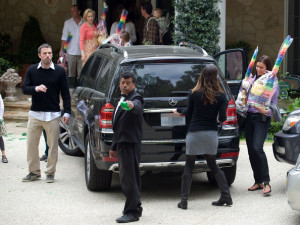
(163,79)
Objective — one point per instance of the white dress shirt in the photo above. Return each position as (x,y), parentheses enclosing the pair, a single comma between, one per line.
(70,26)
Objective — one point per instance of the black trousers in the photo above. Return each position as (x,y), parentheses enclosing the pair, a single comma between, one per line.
(257,126)
(129,155)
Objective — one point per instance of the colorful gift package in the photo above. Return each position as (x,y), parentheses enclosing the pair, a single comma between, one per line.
(262,89)
(241,101)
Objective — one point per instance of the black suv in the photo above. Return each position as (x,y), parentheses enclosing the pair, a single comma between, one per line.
(165,74)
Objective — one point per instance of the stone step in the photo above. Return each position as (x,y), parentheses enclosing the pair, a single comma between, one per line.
(16,116)
(17,106)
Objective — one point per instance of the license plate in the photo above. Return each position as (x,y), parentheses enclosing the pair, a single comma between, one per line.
(172,119)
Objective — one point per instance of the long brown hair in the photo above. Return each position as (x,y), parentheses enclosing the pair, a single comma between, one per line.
(208,84)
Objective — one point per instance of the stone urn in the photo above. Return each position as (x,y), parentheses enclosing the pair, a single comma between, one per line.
(10,78)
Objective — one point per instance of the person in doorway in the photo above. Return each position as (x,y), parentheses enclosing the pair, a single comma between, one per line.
(163,23)
(128,26)
(46,82)
(151,29)
(206,107)
(126,144)
(88,35)
(257,124)
(2,131)
(72,26)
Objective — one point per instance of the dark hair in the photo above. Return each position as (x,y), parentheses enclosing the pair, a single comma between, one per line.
(208,84)
(127,75)
(147,7)
(76,6)
(267,61)
(44,46)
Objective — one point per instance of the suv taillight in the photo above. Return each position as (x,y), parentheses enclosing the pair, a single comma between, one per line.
(231,113)
(106,115)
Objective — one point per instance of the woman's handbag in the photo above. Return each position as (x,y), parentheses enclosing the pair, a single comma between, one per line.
(3,131)
(275,112)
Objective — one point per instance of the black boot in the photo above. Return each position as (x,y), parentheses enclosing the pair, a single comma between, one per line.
(186,182)
(224,190)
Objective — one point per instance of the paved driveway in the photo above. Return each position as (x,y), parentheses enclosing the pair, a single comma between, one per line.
(67,201)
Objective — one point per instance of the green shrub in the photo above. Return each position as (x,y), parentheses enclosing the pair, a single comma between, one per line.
(4,65)
(197,22)
(31,39)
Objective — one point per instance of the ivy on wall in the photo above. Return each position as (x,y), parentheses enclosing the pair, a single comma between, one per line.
(197,22)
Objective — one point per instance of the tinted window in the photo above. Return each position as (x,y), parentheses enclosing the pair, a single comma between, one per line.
(104,78)
(231,65)
(161,79)
(83,79)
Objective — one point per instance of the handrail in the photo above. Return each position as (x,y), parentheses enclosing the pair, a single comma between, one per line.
(116,48)
(111,46)
(195,47)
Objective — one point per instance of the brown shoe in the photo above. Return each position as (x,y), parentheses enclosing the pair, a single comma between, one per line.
(4,159)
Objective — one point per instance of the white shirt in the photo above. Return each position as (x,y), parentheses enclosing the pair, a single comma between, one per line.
(119,103)
(128,26)
(70,26)
(46,116)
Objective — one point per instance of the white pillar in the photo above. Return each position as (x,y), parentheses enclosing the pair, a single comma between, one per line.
(222,27)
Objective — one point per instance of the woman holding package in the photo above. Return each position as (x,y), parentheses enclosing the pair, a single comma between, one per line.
(88,35)
(206,107)
(258,122)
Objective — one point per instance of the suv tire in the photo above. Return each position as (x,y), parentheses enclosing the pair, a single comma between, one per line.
(96,180)
(230,173)
(65,141)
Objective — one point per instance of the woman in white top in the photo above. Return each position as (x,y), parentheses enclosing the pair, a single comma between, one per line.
(128,26)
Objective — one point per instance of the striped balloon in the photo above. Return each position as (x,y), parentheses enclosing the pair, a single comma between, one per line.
(122,20)
(285,45)
(251,64)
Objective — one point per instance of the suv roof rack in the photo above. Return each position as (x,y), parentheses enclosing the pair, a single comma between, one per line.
(115,48)
(195,47)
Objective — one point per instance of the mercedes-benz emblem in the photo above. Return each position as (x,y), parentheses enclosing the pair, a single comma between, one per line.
(172,102)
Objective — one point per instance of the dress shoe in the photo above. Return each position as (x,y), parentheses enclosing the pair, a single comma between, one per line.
(223,201)
(182,204)
(127,218)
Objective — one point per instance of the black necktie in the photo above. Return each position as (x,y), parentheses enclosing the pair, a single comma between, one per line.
(123,95)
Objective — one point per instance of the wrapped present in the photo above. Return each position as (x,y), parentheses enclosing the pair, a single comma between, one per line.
(241,102)
(102,32)
(102,26)
(263,90)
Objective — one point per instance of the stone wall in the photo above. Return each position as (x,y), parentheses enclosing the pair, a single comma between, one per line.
(51,15)
(260,23)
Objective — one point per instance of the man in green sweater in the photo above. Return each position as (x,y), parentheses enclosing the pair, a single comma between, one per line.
(45,82)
